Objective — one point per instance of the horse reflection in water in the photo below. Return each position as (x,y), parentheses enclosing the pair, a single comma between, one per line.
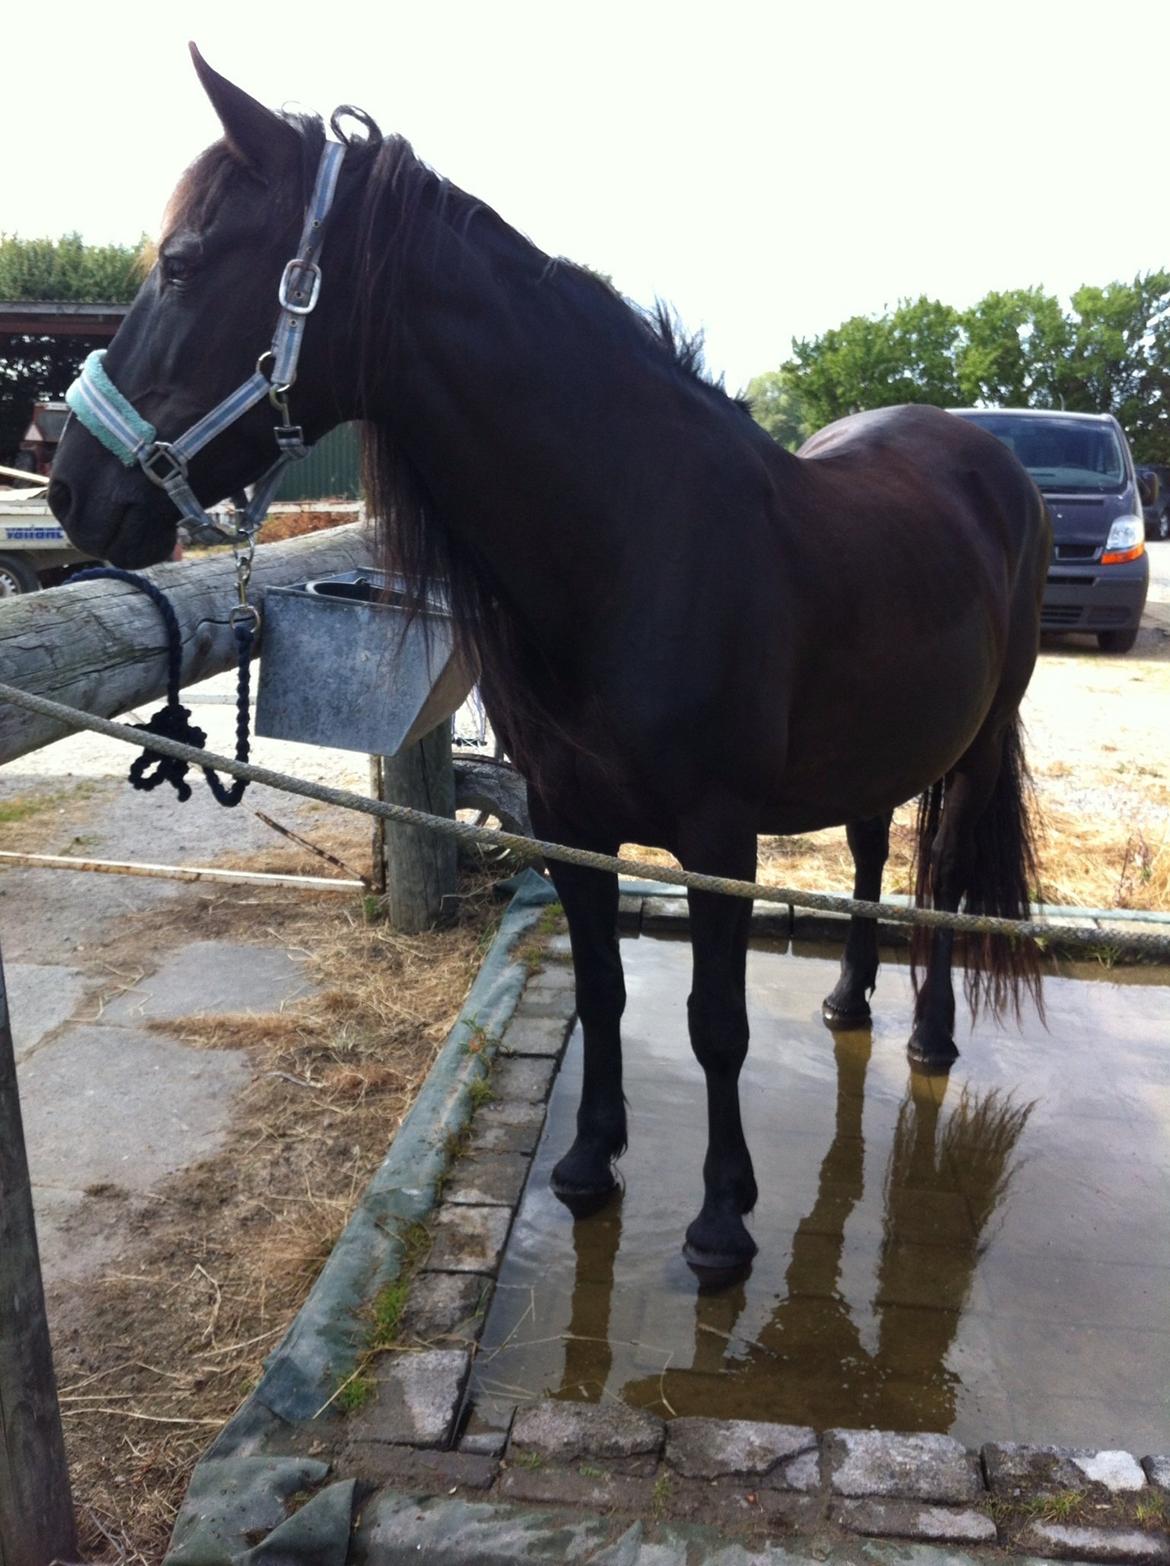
(948,1173)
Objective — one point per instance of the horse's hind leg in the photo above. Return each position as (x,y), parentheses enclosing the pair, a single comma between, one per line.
(584,1178)
(969,789)
(717,1013)
(848,1004)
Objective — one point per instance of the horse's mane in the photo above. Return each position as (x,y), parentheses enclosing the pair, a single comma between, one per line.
(403,200)
(399,201)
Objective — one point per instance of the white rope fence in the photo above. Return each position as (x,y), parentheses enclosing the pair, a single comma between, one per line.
(1150,945)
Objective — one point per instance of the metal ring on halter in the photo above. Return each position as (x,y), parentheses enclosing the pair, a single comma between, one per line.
(161,463)
(278,390)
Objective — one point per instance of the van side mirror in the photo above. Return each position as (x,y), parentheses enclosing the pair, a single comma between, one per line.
(1148,488)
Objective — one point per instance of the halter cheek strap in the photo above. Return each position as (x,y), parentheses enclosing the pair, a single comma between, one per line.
(109,416)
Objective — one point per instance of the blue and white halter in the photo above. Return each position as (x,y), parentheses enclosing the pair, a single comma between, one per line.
(108,415)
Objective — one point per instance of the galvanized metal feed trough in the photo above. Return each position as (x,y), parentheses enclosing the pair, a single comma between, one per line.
(343,664)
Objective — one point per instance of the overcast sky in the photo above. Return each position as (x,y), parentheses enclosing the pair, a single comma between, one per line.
(768,169)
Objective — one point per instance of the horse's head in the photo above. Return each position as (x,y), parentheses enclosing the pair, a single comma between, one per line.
(202,326)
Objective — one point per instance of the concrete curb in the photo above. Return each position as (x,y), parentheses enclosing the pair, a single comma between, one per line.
(661,908)
(326,1338)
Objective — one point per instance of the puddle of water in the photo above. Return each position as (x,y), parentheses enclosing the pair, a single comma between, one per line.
(986,1254)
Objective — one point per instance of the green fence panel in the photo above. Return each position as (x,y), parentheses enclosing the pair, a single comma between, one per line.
(331,471)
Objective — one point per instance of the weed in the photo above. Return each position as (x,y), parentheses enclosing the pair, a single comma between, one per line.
(660,1495)
(22,808)
(416,1243)
(1061,1505)
(528,1460)
(532,955)
(388,1308)
(480,1092)
(1150,1512)
(356,1393)
(587,1471)
(551,920)
(480,1041)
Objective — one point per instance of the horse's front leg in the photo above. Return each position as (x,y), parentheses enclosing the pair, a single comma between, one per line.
(584,1177)
(717,1240)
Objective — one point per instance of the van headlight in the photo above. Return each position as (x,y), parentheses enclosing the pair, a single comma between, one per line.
(1126,541)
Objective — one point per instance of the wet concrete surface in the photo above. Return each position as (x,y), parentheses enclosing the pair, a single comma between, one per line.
(986,1254)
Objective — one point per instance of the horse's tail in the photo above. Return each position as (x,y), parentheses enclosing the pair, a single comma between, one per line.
(1003,870)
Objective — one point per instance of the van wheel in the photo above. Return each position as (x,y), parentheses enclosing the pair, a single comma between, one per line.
(1117,641)
(16,576)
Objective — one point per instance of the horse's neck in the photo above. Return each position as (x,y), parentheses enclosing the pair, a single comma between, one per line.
(529,436)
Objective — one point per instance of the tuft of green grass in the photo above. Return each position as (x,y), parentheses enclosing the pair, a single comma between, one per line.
(660,1495)
(528,1460)
(22,809)
(531,955)
(388,1308)
(1061,1505)
(481,1092)
(356,1393)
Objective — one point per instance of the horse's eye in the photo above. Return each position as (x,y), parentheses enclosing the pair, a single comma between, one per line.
(179,265)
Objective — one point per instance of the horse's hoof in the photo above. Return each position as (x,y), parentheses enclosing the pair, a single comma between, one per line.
(718,1251)
(935,1056)
(842,1020)
(582,1186)
(584,1203)
(713,1280)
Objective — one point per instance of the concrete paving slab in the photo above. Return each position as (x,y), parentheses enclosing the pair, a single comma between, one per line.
(209,977)
(41,996)
(107,1105)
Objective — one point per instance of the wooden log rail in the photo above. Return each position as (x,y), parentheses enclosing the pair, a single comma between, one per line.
(101,646)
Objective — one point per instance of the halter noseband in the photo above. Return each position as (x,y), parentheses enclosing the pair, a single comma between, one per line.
(109,416)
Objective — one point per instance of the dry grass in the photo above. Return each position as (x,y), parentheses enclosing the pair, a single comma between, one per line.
(170,1338)
(1116,857)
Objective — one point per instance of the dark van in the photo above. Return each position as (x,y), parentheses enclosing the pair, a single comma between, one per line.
(1081,464)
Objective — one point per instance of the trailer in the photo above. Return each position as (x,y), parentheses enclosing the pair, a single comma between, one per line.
(34,549)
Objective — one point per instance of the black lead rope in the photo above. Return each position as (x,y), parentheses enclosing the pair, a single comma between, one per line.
(174,720)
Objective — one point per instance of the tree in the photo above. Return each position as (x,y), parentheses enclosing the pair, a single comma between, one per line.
(777,406)
(1108,353)
(1119,361)
(867,362)
(67,269)
(40,368)
(1012,346)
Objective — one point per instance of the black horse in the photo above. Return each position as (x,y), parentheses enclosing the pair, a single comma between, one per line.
(688,636)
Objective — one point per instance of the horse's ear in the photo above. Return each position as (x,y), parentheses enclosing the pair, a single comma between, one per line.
(262,139)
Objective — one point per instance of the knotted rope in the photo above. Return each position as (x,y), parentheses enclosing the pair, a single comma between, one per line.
(173,722)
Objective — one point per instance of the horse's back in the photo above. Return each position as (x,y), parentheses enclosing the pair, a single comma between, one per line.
(921,548)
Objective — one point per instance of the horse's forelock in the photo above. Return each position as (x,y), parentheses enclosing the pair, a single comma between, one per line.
(206,182)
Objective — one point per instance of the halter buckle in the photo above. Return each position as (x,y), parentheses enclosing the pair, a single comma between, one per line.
(299,276)
(162,464)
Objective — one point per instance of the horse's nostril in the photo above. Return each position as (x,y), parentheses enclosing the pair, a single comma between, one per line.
(60,500)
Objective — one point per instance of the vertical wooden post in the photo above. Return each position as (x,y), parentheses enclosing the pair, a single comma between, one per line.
(378,839)
(36,1508)
(420,866)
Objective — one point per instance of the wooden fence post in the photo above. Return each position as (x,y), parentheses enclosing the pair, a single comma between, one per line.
(36,1507)
(419,866)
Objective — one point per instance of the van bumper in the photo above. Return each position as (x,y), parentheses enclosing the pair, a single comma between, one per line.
(1095,597)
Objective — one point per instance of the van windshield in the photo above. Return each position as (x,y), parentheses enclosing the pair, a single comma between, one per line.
(1060,454)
